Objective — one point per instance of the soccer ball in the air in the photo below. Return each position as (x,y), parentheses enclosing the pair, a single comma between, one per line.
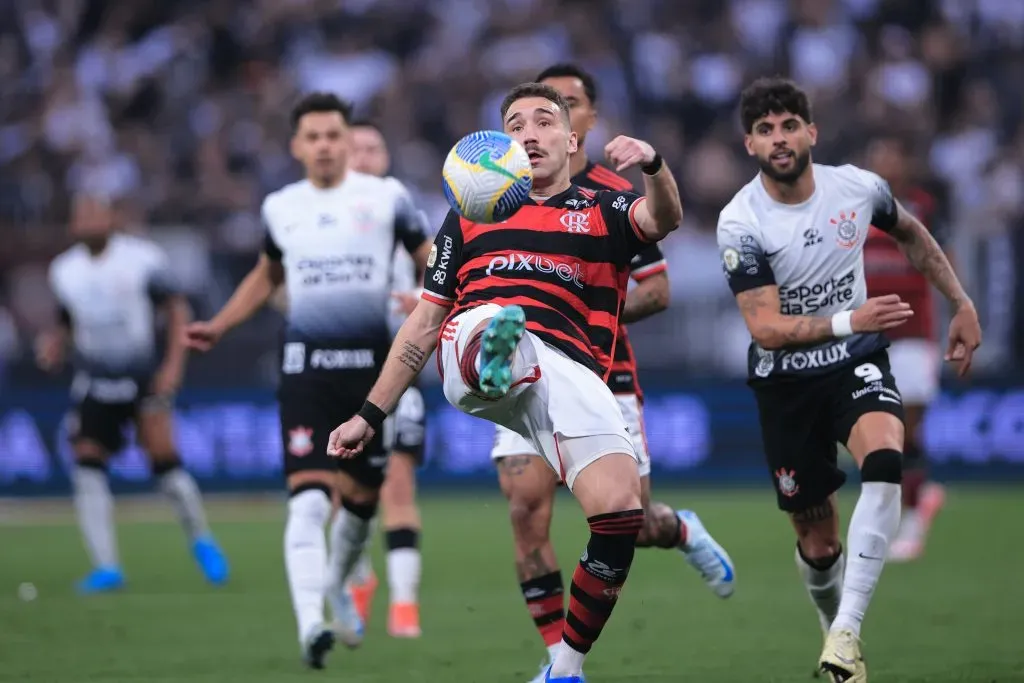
(487,177)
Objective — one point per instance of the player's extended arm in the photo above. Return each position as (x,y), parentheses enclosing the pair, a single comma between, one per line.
(925,254)
(662,212)
(771,329)
(650,296)
(251,294)
(415,341)
(179,314)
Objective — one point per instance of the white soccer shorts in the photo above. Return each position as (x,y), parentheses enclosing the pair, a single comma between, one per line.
(562,409)
(508,443)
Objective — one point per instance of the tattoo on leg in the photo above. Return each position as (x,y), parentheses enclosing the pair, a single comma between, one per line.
(816,513)
(413,356)
(515,464)
(532,566)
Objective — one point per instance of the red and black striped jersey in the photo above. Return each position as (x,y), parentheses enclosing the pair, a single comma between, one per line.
(623,378)
(566,262)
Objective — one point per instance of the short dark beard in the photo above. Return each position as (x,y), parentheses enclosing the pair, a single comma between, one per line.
(96,244)
(800,165)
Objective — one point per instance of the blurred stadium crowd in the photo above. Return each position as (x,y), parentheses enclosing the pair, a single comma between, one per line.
(177,110)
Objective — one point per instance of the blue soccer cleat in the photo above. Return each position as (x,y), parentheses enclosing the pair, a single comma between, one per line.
(496,349)
(102,580)
(707,556)
(211,560)
(570,679)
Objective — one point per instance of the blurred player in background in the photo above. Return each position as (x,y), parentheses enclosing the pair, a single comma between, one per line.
(526,350)
(110,288)
(529,483)
(332,237)
(368,153)
(915,353)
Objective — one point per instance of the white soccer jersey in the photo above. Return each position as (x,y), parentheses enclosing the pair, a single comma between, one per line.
(109,299)
(337,247)
(814,252)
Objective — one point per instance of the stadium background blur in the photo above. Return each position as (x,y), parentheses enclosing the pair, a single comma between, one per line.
(177,111)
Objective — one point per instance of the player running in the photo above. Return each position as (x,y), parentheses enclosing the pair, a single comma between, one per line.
(368,153)
(533,363)
(529,483)
(331,237)
(792,244)
(110,287)
(915,352)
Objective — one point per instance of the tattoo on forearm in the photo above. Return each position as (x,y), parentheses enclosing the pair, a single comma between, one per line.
(413,356)
(532,566)
(818,513)
(925,254)
(641,304)
(804,330)
(808,328)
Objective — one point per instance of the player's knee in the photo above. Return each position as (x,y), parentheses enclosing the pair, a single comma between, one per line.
(884,465)
(89,453)
(163,463)
(91,462)
(362,509)
(531,518)
(310,502)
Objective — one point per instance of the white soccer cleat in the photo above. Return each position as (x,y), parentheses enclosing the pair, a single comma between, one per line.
(706,556)
(315,647)
(348,625)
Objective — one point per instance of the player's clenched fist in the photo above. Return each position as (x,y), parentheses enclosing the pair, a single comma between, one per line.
(202,336)
(348,440)
(881,313)
(625,152)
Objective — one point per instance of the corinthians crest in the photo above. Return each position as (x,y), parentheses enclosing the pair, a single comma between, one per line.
(846,229)
(765,362)
(787,484)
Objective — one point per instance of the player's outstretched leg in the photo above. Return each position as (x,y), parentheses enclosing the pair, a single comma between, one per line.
(349,534)
(156,435)
(94,507)
(683,530)
(875,442)
(364,582)
(305,558)
(608,490)
(401,518)
(529,484)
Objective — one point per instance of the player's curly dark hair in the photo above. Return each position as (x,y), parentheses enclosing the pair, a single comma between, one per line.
(571,71)
(320,102)
(524,90)
(772,96)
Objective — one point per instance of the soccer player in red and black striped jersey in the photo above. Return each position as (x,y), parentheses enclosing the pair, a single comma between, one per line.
(525,478)
(525,310)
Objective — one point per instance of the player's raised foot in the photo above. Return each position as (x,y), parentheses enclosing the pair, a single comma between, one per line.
(404,620)
(548,678)
(101,580)
(362,595)
(841,660)
(497,346)
(211,560)
(318,643)
(707,556)
(348,625)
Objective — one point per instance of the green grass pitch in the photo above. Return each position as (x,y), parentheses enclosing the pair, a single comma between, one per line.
(958,615)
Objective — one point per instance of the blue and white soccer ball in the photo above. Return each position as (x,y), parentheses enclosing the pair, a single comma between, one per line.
(487,177)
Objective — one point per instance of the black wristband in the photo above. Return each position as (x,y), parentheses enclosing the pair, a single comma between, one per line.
(372,414)
(652,168)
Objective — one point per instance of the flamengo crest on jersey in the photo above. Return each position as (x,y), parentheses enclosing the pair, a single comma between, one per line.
(337,247)
(813,252)
(110,299)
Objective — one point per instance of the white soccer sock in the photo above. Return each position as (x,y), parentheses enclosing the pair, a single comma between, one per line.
(874,522)
(349,535)
(404,568)
(181,488)
(567,661)
(305,556)
(825,586)
(94,506)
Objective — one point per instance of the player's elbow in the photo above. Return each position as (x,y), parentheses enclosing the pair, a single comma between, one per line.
(766,336)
